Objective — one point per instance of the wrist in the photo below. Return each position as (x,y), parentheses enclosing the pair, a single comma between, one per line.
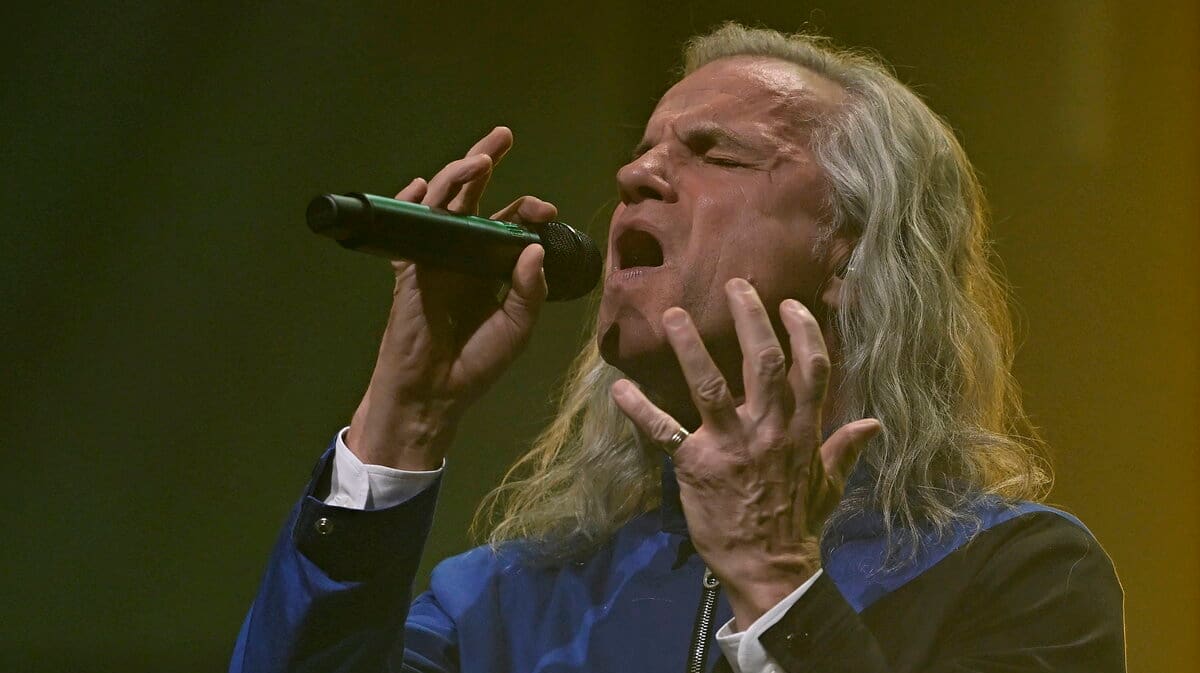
(751,603)
(411,437)
(754,589)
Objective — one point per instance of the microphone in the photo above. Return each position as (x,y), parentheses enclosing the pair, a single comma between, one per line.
(464,243)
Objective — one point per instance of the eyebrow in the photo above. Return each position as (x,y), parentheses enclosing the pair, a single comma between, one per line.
(706,134)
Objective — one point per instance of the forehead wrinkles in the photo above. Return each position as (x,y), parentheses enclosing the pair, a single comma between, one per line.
(773,97)
(794,104)
(793,83)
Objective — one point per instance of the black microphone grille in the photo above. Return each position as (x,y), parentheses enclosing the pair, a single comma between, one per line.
(572,263)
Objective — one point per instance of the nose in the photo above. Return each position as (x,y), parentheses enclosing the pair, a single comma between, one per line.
(646,178)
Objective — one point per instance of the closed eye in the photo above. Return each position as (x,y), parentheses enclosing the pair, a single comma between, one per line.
(723,161)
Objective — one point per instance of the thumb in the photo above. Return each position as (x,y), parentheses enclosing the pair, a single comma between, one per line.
(827,478)
(524,300)
(839,452)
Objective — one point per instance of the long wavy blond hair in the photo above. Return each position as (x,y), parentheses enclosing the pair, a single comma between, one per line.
(927,344)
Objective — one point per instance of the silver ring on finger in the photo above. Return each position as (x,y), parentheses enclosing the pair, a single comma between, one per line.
(672,444)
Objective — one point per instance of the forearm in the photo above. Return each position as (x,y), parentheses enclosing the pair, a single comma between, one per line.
(822,633)
(337,589)
(1036,593)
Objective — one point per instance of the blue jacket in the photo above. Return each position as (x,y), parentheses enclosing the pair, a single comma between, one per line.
(336,596)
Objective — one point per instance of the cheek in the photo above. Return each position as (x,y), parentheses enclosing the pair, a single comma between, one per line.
(767,241)
(733,237)
(723,245)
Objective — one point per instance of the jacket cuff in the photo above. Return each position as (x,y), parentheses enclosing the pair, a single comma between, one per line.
(352,545)
(822,632)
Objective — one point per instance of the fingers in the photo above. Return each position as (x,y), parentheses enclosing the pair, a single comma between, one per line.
(764,366)
(710,392)
(527,210)
(467,198)
(454,177)
(513,322)
(528,292)
(495,144)
(414,192)
(843,446)
(809,376)
(653,423)
(827,470)
(460,184)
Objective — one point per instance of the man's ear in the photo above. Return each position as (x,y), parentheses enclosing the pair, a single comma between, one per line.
(831,294)
(840,250)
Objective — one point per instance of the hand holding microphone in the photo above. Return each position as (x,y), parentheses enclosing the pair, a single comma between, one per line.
(448,338)
(462,243)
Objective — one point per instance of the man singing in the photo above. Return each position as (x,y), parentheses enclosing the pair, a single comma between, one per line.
(794,443)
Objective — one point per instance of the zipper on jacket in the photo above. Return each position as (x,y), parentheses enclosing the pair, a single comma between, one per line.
(698,652)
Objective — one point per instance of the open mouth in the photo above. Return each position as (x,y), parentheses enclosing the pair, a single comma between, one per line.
(638,249)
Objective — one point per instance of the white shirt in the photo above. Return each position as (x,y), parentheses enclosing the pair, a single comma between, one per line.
(356,485)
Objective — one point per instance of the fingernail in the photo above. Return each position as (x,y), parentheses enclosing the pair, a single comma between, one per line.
(675,317)
(741,285)
(793,306)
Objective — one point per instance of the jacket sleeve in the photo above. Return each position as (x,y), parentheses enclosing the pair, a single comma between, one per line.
(336,592)
(1044,599)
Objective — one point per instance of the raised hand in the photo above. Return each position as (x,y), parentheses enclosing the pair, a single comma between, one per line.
(449,336)
(753,478)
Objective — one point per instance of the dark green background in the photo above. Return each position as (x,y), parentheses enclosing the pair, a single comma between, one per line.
(179,349)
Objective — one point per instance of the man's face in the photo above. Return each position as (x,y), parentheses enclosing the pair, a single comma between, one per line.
(722,185)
